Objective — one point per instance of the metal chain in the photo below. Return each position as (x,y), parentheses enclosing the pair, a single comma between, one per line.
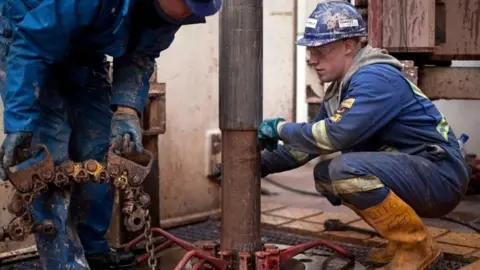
(152,260)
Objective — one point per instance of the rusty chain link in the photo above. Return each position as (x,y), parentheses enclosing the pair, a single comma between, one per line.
(126,175)
(149,245)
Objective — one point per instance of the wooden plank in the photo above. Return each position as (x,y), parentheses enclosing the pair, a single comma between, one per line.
(408,25)
(154,116)
(462,31)
(450,83)
(375,9)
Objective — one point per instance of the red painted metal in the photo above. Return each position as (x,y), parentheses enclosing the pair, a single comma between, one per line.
(199,265)
(271,257)
(144,257)
(244,258)
(203,256)
(206,256)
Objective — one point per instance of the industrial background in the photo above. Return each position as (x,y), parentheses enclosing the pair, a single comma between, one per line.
(187,78)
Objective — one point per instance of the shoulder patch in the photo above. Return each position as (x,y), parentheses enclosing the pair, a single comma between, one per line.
(343,108)
(347,103)
(336,117)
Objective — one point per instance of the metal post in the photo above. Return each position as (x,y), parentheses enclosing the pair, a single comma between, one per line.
(241,71)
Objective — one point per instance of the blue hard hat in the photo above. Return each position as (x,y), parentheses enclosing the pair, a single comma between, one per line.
(332,21)
(204,8)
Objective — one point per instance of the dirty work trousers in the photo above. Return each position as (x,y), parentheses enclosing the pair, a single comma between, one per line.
(363,179)
(75,124)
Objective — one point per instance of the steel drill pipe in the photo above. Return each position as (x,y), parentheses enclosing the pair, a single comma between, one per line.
(241,65)
(240,83)
(240,192)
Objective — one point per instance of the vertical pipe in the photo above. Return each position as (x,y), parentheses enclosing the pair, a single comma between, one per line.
(241,98)
(295,59)
(301,106)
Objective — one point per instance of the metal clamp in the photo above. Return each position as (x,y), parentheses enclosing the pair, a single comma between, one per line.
(126,173)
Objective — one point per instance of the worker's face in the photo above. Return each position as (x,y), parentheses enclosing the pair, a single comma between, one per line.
(331,61)
(175,8)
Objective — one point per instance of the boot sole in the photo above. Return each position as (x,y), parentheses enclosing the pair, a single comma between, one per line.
(378,262)
(430,264)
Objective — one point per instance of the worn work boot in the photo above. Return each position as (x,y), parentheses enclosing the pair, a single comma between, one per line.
(381,255)
(111,259)
(396,221)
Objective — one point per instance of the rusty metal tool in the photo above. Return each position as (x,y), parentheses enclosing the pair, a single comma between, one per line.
(126,173)
(272,257)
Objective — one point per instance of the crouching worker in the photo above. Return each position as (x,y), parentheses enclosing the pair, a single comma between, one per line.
(400,159)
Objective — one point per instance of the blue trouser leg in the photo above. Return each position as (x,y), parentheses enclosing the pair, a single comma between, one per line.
(92,204)
(64,251)
(75,124)
(364,179)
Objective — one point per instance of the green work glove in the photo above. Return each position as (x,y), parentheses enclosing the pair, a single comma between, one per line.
(268,134)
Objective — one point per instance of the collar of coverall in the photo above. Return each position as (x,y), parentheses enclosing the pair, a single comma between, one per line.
(364,57)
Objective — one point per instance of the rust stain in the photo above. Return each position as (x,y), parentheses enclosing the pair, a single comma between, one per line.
(278,13)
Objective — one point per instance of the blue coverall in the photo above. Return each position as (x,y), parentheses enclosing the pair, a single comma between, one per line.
(391,137)
(54,82)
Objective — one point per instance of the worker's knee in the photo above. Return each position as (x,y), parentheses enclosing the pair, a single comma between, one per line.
(343,167)
(323,184)
(320,172)
(349,183)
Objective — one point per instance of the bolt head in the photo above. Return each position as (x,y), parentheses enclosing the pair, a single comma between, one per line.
(91,165)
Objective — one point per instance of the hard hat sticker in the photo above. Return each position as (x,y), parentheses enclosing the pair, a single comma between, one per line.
(347,23)
(311,23)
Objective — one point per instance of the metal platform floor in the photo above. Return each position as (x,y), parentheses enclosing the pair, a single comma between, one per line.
(210,230)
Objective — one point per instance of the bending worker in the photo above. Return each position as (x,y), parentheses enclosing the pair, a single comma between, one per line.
(400,159)
(56,91)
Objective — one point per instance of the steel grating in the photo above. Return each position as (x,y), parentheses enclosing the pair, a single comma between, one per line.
(210,230)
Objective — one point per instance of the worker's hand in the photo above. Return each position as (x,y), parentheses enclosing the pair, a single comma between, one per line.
(125,131)
(13,151)
(268,133)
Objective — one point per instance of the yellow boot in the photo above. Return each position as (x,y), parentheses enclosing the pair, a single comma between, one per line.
(382,255)
(397,222)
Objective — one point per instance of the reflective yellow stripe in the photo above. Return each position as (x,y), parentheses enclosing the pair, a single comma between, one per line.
(336,117)
(319,131)
(443,127)
(299,156)
(357,184)
(417,90)
(347,103)
(387,148)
